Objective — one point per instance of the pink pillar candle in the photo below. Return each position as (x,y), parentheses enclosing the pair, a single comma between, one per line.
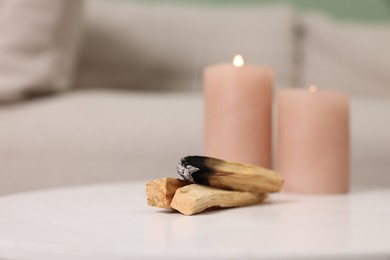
(238,103)
(313,141)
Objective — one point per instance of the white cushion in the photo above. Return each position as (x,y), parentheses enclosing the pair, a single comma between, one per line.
(370,141)
(38,46)
(347,56)
(95,136)
(164,46)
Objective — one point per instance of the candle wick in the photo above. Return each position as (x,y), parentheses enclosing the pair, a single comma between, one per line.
(313,88)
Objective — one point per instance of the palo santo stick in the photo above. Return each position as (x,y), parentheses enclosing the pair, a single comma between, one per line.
(159,193)
(195,198)
(229,175)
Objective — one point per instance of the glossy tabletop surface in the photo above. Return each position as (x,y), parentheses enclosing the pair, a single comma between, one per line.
(112,221)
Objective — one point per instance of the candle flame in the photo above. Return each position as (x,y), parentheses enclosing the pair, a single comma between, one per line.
(238,61)
(313,88)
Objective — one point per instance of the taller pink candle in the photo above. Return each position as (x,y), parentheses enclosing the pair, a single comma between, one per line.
(238,108)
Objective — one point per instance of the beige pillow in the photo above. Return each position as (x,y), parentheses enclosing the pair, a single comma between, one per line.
(166,46)
(346,56)
(38,46)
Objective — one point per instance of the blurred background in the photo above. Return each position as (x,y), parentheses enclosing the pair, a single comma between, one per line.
(111,90)
(358,10)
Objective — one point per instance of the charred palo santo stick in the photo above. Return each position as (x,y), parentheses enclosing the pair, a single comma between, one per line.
(194,198)
(159,193)
(229,175)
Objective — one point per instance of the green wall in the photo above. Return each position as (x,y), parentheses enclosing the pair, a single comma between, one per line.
(361,10)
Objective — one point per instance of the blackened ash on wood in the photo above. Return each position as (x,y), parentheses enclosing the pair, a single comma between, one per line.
(195,169)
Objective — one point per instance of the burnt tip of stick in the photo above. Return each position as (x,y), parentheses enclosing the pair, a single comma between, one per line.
(194,168)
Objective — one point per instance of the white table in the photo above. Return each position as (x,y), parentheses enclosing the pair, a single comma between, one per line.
(112,221)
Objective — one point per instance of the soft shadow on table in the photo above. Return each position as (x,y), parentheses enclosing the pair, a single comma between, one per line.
(217,210)
(167,211)
(213,210)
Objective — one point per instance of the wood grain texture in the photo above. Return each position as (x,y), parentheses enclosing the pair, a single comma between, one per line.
(159,193)
(229,175)
(243,177)
(195,198)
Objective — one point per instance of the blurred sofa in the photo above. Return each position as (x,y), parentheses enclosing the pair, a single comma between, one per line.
(135,105)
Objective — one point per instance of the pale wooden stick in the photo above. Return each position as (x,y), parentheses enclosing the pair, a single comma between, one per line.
(244,177)
(159,193)
(242,181)
(195,198)
(229,175)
